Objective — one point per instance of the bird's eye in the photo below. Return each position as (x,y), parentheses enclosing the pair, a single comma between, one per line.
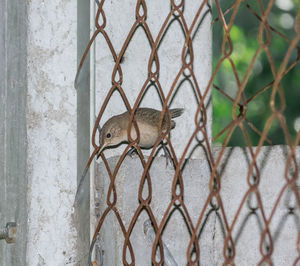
(108,135)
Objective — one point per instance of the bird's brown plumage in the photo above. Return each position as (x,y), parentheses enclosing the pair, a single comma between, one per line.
(114,131)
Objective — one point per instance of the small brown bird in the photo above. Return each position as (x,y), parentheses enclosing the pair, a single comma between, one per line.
(114,131)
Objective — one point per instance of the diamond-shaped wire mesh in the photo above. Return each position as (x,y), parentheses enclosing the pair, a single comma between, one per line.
(244,214)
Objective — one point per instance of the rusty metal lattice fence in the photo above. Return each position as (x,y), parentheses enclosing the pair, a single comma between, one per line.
(216,158)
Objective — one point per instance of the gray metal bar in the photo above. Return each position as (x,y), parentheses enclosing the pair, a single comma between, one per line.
(83,131)
(13,92)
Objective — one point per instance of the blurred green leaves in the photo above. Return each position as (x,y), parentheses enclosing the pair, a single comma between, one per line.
(244,37)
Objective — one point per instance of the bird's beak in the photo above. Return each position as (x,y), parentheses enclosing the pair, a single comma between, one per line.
(100,150)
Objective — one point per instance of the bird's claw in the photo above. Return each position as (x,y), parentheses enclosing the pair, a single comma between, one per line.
(167,155)
(132,152)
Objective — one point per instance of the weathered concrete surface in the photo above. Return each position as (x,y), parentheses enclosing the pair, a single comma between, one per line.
(51,127)
(271,163)
(176,236)
(196,174)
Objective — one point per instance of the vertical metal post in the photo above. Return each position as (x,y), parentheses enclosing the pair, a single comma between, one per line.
(83,129)
(13,93)
(92,117)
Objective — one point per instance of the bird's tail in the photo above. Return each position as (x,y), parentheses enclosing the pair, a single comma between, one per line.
(176,112)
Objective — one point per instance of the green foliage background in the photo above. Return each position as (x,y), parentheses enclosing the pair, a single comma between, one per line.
(244,37)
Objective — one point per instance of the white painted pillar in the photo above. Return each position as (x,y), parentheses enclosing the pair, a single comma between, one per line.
(51,130)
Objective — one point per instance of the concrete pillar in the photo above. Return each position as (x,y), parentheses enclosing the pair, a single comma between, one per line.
(51,131)
(120,19)
(250,224)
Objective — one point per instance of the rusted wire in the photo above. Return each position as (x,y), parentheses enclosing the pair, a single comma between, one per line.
(227,20)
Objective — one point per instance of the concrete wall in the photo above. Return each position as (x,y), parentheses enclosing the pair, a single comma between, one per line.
(249,226)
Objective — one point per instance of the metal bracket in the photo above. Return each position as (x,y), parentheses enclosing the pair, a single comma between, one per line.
(9,232)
